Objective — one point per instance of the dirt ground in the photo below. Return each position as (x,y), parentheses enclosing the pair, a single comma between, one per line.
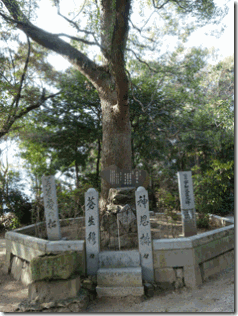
(215,295)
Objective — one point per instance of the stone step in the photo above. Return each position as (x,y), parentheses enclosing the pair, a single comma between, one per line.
(119,259)
(120,291)
(119,277)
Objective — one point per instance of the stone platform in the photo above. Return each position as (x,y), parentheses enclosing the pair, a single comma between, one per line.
(119,274)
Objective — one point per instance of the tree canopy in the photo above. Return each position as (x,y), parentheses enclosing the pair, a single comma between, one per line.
(125,102)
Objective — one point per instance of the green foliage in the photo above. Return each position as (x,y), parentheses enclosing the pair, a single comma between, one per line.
(15,223)
(213,188)
(166,201)
(19,205)
(188,128)
(203,221)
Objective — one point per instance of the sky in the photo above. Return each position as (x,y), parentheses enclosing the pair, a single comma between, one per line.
(50,21)
(224,44)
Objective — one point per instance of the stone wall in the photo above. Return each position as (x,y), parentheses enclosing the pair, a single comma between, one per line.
(193,259)
(177,262)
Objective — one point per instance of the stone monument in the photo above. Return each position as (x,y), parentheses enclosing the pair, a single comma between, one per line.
(51,208)
(92,231)
(120,178)
(187,203)
(118,221)
(144,234)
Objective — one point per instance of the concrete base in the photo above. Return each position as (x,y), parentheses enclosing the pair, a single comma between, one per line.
(47,291)
(120,291)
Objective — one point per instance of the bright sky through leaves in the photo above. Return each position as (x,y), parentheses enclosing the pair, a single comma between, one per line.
(50,21)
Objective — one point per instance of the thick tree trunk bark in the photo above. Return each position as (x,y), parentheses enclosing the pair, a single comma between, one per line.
(98,161)
(116,144)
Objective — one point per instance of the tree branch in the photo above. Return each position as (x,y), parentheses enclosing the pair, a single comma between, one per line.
(18,96)
(51,41)
(140,30)
(161,6)
(77,39)
(140,60)
(13,118)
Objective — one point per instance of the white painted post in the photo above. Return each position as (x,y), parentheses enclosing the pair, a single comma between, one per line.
(92,231)
(51,208)
(187,203)
(144,234)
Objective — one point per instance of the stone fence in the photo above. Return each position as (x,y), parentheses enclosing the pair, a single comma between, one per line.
(177,261)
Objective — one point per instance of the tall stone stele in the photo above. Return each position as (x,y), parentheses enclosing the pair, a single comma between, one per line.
(92,231)
(187,203)
(144,234)
(51,208)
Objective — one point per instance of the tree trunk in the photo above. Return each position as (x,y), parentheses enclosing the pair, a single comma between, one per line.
(98,161)
(116,144)
(110,80)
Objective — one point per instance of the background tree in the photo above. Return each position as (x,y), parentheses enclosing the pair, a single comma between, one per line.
(108,28)
(21,74)
(65,136)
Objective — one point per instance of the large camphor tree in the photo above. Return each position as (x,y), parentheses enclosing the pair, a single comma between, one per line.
(111,28)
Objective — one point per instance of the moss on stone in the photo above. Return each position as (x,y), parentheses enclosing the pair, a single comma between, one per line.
(57,266)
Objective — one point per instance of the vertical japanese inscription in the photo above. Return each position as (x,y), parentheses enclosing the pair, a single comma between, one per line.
(51,208)
(92,230)
(187,203)
(144,234)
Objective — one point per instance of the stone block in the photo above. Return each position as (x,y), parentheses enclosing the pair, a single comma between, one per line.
(165,275)
(123,199)
(16,269)
(119,277)
(179,272)
(216,234)
(118,259)
(88,285)
(179,283)
(120,291)
(149,289)
(192,276)
(60,266)
(173,243)
(66,245)
(48,291)
(126,216)
(128,194)
(217,264)
(25,252)
(7,266)
(170,258)
(26,277)
(214,248)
